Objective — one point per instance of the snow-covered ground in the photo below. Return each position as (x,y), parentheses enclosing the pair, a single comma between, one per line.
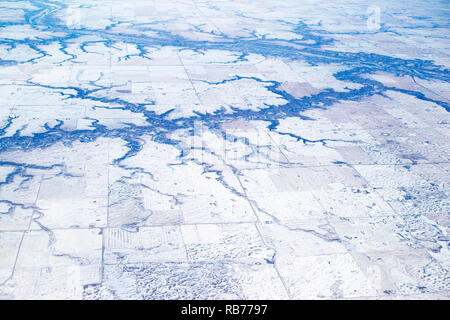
(202,149)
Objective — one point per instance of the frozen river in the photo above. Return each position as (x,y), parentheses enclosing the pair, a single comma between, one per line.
(188,149)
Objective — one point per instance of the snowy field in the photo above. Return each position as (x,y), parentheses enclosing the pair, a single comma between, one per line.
(247,149)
